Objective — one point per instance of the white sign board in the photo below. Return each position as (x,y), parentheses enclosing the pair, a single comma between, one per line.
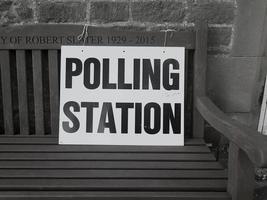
(262,126)
(122,95)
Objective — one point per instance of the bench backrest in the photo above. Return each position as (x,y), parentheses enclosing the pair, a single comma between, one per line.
(30,63)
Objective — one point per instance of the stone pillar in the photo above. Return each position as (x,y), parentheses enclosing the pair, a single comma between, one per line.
(249,46)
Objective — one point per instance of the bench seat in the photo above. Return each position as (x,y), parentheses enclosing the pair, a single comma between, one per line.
(41,171)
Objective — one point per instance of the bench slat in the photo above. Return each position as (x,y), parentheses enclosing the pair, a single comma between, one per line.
(112,173)
(22,92)
(104,195)
(37,164)
(38,92)
(109,156)
(114,184)
(102,148)
(53,90)
(6,92)
(52,140)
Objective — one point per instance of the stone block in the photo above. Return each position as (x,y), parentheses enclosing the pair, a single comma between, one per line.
(61,11)
(16,11)
(159,11)
(215,12)
(5,5)
(106,11)
(218,36)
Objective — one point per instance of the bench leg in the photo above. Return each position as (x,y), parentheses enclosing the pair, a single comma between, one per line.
(241,174)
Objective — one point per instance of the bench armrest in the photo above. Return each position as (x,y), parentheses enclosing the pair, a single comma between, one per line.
(247,139)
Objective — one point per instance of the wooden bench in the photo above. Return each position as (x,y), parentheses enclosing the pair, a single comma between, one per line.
(33,166)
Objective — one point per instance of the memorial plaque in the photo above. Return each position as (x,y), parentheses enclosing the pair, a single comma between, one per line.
(54,36)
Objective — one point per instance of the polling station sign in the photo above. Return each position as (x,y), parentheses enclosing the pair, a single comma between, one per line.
(122,95)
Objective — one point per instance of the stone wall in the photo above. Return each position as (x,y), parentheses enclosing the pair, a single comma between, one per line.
(129,14)
(230,84)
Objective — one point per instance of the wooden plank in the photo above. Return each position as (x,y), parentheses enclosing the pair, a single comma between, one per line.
(74,173)
(52,36)
(37,139)
(53,90)
(22,92)
(200,75)
(194,141)
(112,195)
(38,92)
(232,162)
(114,184)
(109,156)
(241,174)
(101,148)
(36,164)
(6,92)
(24,139)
